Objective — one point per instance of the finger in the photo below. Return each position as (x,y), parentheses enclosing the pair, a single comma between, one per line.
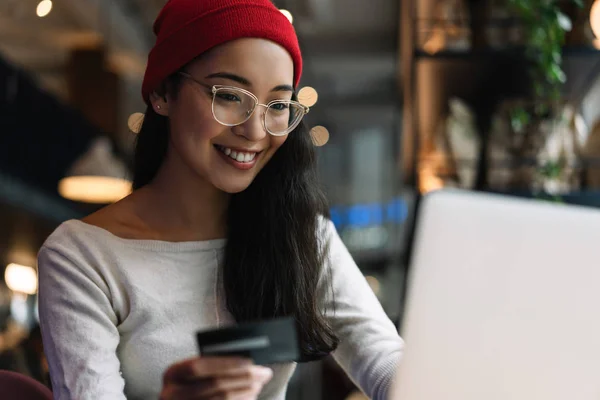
(255,377)
(214,389)
(219,388)
(200,367)
(242,394)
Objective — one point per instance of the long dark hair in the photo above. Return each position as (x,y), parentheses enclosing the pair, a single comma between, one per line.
(275,252)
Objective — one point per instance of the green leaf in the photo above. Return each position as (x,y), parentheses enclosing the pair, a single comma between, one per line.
(551,169)
(539,35)
(558,74)
(557,57)
(519,119)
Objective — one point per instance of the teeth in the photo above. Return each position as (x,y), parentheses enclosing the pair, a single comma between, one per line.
(238,156)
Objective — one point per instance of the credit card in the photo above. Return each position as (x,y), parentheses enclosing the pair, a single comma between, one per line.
(266,342)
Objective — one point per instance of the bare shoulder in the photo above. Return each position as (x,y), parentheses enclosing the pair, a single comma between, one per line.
(120,218)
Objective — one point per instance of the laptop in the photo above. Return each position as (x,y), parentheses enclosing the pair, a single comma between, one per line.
(503,301)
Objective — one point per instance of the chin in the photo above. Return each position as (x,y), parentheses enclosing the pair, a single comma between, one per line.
(233,188)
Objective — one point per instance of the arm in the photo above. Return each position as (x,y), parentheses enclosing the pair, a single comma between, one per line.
(79,329)
(370,347)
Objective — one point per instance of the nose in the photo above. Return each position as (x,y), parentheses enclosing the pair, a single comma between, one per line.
(253,129)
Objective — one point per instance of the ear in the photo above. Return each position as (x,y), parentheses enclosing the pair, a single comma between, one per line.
(159,104)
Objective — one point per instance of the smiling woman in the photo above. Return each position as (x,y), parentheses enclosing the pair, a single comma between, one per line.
(226,224)
(228,116)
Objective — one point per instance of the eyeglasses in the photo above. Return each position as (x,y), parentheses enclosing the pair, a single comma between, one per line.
(232,106)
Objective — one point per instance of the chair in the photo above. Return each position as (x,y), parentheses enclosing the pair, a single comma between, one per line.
(15,386)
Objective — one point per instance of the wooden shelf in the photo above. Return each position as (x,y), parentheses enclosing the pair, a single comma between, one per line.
(587,198)
(568,51)
(581,51)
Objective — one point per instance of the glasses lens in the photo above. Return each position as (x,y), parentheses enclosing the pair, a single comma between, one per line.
(232,107)
(282,117)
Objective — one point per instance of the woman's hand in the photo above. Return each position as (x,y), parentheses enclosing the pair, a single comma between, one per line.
(214,378)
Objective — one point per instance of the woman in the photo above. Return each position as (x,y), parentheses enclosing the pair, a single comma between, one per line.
(226,224)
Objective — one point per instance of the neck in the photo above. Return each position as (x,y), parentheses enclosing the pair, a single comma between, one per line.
(184,204)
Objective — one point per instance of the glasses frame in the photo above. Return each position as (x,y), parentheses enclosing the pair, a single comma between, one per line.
(216,88)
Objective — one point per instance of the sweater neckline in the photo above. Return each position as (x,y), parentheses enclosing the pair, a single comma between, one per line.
(149,244)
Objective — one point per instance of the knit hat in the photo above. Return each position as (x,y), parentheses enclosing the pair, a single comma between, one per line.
(185,29)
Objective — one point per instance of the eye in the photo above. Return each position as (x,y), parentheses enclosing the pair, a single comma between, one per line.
(228,96)
(280,106)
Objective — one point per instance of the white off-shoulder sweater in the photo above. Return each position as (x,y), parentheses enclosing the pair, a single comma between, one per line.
(115,313)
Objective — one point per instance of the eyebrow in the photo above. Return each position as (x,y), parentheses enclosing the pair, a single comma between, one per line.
(244,81)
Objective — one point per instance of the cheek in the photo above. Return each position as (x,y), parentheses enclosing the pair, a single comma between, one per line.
(194,125)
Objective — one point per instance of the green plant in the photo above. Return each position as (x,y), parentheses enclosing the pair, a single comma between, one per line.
(544,27)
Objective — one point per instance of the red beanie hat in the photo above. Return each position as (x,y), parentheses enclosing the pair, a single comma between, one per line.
(185,29)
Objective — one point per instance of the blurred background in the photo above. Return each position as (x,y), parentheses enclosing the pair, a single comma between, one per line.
(485,95)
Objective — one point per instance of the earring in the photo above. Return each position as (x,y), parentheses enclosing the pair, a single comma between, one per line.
(158,107)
